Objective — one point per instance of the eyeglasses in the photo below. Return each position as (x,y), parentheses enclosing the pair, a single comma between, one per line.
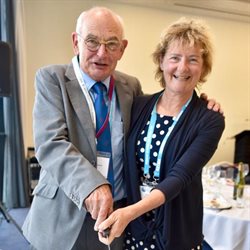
(94,44)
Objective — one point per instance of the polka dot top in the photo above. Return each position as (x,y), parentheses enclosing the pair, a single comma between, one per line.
(162,125)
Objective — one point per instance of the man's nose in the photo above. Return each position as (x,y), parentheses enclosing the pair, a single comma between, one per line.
(102,50)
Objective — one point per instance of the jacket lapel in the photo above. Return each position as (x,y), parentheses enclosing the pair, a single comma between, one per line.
(125,101)
(80,106)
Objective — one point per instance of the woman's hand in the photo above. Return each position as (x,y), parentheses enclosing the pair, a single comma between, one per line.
(119,219)
(116,222)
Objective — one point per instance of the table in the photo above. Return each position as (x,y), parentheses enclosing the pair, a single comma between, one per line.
(228,229)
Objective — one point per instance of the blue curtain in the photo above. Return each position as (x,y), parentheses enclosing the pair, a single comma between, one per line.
(2,142)
(15,184)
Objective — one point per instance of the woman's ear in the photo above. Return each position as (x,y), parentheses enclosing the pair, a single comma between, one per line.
(161,63)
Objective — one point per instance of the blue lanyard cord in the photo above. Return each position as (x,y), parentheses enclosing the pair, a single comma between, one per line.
(149,141)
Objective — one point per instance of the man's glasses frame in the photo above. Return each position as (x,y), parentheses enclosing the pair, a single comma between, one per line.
(93,44)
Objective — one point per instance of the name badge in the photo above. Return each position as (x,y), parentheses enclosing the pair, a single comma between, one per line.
(103,159)
(145,190)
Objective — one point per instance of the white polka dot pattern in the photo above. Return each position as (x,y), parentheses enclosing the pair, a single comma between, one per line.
(162,125)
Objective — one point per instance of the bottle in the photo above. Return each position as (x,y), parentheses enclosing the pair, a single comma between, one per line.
(239,183)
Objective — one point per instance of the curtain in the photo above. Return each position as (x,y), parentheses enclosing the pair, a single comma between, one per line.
(15,177)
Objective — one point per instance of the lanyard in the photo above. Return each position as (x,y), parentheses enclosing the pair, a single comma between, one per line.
(149,140)
(86,92)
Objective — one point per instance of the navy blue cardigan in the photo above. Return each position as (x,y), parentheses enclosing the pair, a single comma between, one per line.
(191,144)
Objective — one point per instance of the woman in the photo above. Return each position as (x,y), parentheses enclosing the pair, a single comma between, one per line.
(173,135)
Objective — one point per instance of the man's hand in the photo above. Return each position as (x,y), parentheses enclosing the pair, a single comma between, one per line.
(212,104)
(99,204)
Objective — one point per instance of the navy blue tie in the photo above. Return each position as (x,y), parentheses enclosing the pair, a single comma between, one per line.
(102,126)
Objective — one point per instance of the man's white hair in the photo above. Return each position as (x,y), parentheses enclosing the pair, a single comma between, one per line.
(80,20)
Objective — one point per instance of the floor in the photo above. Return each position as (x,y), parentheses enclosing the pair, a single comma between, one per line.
(10,235)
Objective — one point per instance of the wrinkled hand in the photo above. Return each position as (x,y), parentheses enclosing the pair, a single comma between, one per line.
(212,104)
(99,204)
(117,222)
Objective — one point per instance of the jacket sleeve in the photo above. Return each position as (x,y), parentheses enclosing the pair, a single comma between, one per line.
(63,165)
(190,149)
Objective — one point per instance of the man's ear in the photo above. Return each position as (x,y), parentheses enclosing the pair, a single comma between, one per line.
(123,47)
(75,43)
(124,44)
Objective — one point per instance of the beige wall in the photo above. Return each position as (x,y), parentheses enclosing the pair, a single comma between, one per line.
(48,27)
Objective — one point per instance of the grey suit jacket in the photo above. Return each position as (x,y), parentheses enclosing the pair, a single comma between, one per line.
(65,148)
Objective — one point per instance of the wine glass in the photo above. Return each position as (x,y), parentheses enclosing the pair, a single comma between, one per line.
(245,169)
(214,175)
(223,176)
(230,175)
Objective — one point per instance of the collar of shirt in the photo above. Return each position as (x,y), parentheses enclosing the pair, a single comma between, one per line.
(89,82)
